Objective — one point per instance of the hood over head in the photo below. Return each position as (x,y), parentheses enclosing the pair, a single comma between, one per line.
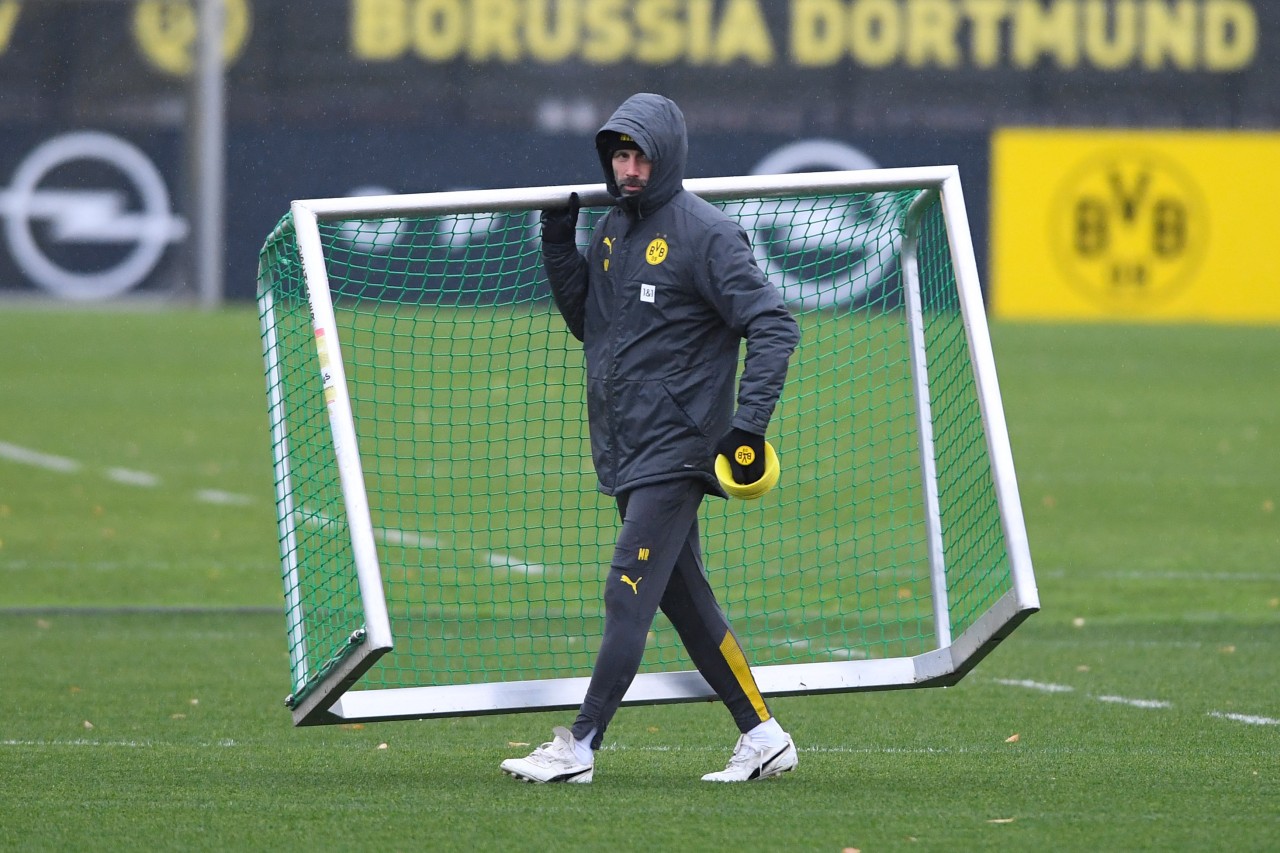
(656,125)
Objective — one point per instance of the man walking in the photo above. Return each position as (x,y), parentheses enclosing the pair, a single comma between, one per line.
(665,293)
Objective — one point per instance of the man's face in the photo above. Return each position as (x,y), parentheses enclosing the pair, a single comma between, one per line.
(631,170)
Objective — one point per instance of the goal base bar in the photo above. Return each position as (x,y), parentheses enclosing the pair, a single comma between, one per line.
(938,668)
(312,707)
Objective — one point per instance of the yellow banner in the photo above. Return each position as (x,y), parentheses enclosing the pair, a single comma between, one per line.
(1134,225)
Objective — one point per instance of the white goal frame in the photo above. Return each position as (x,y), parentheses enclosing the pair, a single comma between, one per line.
(332,700)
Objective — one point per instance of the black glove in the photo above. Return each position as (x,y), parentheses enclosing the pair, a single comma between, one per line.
(560,225)
(745,452)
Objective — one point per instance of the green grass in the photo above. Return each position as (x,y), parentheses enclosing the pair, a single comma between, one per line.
(1147,460)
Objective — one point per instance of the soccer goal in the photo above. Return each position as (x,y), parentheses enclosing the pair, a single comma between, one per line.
(443,543)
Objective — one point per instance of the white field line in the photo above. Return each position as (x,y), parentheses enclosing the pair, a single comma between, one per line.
(47,461)
(1145,704)
(221,498)
(1035,685)
(802,644)
(407,539)
(1135,703)
(21,565)
(505,561)
(425,542)
(133,744)
(132,478)
(1247,719)
(128,744)
(124,476)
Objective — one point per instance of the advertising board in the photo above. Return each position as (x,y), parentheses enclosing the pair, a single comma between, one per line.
(1134,225)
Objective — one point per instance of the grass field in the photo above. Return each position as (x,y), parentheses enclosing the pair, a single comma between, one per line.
(145,662)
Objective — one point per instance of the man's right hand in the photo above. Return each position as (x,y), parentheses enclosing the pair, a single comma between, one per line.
(560,224)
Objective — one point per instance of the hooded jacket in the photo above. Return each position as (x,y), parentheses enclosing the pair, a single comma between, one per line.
(662,299)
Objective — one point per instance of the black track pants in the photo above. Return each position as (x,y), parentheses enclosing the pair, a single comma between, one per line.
(658,563)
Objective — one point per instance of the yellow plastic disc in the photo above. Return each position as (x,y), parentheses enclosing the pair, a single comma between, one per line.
(750,491)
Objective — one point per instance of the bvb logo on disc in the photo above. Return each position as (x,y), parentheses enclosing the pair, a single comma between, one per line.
(656,252)
(745,455)
(1129,229)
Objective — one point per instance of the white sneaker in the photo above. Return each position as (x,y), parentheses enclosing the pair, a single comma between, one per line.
(551,762)
(754,762)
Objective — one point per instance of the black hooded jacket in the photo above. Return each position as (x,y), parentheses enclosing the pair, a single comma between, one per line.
(667,290)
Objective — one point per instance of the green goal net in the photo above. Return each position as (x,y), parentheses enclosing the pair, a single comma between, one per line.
(442,539)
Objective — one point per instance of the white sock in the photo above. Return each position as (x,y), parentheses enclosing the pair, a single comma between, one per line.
(768,734)
(582,748)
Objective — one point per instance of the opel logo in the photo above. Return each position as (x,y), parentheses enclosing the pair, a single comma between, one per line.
(71,216)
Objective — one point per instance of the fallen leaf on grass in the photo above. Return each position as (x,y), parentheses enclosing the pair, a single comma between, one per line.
(1001,820)
(382,746)
(88,725)
(516,743)
(1013,738)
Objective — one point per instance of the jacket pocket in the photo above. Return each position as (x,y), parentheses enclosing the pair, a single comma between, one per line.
(705,397)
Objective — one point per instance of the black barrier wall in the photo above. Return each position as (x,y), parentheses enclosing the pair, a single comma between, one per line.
(91,222)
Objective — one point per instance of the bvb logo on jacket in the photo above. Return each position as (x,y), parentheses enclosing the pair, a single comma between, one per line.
(656,252)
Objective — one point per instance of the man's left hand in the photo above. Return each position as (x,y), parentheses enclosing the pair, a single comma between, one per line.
(745,452)
(560,224)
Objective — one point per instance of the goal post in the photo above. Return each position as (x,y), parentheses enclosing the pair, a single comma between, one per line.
(442,541)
